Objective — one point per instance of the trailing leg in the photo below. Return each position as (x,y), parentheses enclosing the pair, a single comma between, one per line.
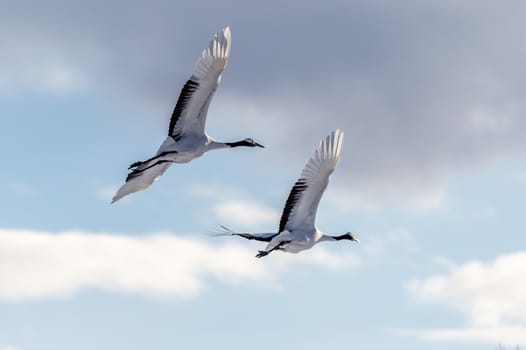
(140,164)
(262,253)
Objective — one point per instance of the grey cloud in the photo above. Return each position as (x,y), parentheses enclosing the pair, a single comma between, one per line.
(423,89)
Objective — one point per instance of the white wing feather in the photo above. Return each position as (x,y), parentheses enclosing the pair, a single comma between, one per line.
(189,116)
(141,182)
(302,203)
(214,59)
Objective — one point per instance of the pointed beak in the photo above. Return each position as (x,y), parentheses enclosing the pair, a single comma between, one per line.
(259,145)
(356,240)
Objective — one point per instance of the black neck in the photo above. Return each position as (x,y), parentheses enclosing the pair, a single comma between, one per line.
(344,236)
(238,143)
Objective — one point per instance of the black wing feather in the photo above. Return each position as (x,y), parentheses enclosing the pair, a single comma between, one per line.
(138,172)
(294,196)
(184,98)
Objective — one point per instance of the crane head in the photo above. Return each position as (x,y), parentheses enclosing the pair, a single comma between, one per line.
(251,143)
(246,143)
(352,238)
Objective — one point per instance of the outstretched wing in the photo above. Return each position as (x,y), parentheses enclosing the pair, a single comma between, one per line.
(302,203)
(189,115)
(139,180)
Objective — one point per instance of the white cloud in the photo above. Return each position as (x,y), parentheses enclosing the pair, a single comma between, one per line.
(35,265)
(507,335)
(491,296)
(485,121)
(379,246)
(106,193)
(41,61)
(59,78)
(245,213)
(239,210)
(375,198)
(20,68)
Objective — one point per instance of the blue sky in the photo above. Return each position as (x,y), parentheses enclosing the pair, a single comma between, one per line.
(432,176)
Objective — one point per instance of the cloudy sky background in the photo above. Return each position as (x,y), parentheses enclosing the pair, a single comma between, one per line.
(432,179)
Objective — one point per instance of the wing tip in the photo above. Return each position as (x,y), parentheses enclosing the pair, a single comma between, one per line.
(116,198)
(226,32)
(220,44)
(130,186)
(330,146)
(215,56)
(121,193)
(337,135)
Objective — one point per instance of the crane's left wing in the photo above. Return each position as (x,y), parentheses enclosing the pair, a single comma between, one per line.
(141,179)
(302,203)
(189,115)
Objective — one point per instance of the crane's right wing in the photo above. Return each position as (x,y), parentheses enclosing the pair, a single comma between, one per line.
(189,115)
(302,203)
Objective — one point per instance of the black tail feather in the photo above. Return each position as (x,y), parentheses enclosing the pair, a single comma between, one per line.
(135,165)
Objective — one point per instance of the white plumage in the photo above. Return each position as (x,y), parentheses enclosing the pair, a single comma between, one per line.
(187,138)
(297,227)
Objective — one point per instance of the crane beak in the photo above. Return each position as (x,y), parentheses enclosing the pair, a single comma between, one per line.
(356,240)
(259,145)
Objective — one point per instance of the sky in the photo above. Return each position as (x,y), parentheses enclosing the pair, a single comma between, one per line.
(432,180)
